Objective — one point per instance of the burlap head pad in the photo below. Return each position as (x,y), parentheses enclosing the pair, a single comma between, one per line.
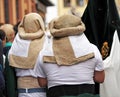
(61,28)
(66,25)
(32,22)
(67,20)
(31,26)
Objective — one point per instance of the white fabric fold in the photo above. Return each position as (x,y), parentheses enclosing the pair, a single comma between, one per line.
(111,85)
(20,47)
(81,45)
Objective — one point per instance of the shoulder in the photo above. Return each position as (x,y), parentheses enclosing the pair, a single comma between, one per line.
(95,48)
(96,52)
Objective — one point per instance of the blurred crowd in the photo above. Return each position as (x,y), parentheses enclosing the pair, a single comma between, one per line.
(7,35)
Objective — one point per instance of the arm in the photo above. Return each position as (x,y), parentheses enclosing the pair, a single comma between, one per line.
(42,82)
(99,76)
(1,54)
(99,73)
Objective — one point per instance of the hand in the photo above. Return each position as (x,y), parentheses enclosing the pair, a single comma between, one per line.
(105,50)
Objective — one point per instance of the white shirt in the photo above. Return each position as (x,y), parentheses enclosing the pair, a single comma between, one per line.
(76,74)
(25,72)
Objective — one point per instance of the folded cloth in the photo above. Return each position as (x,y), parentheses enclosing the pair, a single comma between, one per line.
(70,45)
(79,50)
(22,45)
(112,70)
(23,53)
(28,42)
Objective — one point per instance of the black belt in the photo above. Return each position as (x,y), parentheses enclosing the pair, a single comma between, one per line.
(31,90)
(70,90)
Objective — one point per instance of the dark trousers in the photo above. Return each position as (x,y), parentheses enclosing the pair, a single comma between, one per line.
(97,86)
(70,90)
(1,93)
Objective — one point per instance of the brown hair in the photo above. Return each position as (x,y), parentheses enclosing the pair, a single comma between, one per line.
(10,33)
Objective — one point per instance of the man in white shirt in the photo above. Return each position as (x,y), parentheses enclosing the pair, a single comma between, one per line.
(24,52)
(69,62)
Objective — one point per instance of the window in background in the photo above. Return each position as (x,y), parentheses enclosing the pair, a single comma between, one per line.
(80,2)
(67,3)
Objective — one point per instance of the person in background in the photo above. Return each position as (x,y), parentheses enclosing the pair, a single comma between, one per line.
(69,62)
(3,39)
(1,55)
(10,35)
(112,62)
(24,52)
(9,72)
(2,81)
(101,20)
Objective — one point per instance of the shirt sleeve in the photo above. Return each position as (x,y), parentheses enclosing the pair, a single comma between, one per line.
(99,62)
(38,69)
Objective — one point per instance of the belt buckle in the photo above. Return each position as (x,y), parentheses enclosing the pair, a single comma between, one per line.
(26,90)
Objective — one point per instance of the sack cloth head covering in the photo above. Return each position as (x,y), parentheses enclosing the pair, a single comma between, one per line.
(28,42)
(31,26)
(62,29)
(66,25)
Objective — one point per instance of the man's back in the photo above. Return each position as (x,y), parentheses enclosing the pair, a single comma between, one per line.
(80,73)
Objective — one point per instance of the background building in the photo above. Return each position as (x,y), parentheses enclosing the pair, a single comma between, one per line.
(52,11)
(64,6)
(12,11)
